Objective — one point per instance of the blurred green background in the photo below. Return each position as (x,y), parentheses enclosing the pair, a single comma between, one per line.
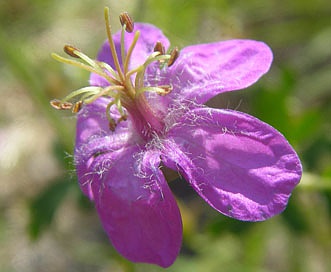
(45,222)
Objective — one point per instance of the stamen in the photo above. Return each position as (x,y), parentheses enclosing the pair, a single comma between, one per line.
(110,69)
(123,54)
(59,105)
(159,58)
(56,104)
(139,81)
(77,107)
(173,56)
(89,90)
(71,51)
(112,45)
(121,91)
(126,56)
(66,106)
(106,91)
(130,50)
(159,47)
(127,21)
(161,90)
(121,111)
(166,89)
(85,67)
(122,118)
(78,54)
(111,121)
(111,124)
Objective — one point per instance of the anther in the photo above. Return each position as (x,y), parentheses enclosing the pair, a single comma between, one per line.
(66,106)
(122,118)
(173,56)
(159,47)
(126,20)
(112,124)
(165,89)
(56,104)
(70,50)
(77,107)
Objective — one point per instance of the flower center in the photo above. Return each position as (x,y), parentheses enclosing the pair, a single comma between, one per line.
(126,88)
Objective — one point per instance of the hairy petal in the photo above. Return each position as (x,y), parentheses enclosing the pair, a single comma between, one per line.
(149,35)
(137,208)
(241,166)
(93,137)
(205,70)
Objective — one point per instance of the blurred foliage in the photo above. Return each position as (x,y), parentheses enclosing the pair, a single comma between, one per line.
(44,206)
(294,97)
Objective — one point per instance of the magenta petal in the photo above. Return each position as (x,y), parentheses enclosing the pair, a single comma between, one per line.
(136,206)
(241,166)
(205,70)
(93,137)
(149,35)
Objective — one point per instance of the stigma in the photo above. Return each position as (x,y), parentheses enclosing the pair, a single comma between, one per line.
(125,88)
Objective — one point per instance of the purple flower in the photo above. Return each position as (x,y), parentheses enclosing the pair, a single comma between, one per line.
(153,114)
